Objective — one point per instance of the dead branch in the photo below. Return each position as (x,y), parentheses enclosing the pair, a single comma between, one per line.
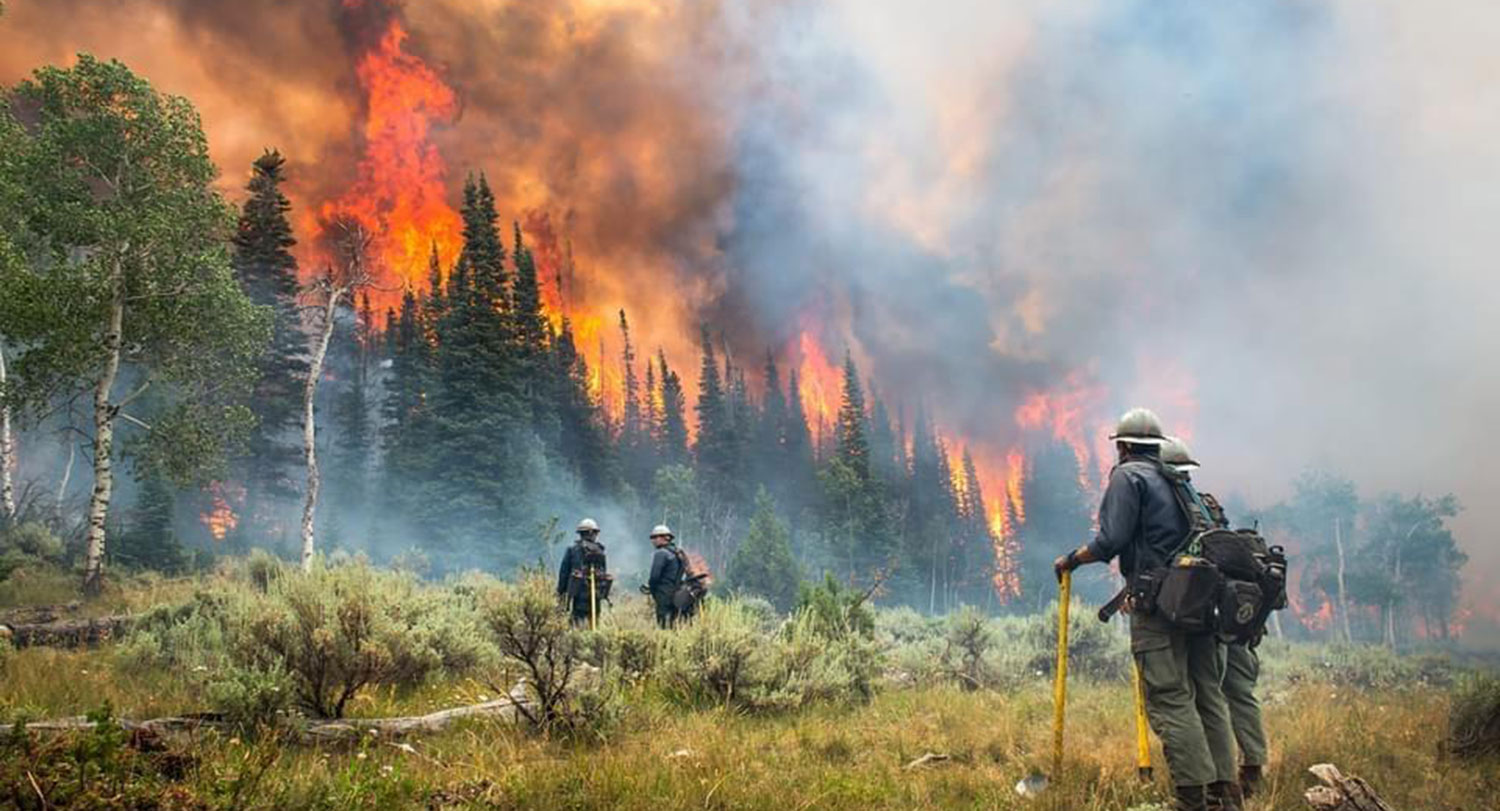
(307,732)
(1340,793)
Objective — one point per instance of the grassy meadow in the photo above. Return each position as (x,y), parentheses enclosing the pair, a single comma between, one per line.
(654,736)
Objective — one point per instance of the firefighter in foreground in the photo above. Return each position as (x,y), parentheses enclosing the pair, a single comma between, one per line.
(1142,522)
(1241,662)
(583,579)
(667,570)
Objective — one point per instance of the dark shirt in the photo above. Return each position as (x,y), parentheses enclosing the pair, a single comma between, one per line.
(571,562)
(1139,519)
(666,571)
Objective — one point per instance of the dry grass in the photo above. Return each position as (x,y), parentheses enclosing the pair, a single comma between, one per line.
(824,758)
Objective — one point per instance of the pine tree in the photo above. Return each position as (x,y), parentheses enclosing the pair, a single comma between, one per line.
(352,440)
(150,542)
(1057,519)
(532,332)
(882,441)
(763,564)
(674,435)
(586,447)
(263,263)
(852,447)
(714,427)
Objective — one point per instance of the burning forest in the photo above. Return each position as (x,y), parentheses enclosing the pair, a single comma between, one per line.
(846,301)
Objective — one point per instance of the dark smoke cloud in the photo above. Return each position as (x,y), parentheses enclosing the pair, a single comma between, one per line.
(1268,220)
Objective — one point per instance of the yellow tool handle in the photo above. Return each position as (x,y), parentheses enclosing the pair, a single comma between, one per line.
(1060,684)
(593,603)
(1142,739)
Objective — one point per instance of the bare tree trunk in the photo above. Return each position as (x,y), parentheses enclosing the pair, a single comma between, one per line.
(1338,541)
(7,454)
(1390,609)
(104,434)
(309,425)
(62,487)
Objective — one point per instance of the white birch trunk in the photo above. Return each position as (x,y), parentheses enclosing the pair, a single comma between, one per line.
(309,426)
(7,454)
(62,486)
(1338,541)
(104,434)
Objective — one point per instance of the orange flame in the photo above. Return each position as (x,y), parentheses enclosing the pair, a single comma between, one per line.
(400,194)
(821,383)
(1067,414)
(221,518)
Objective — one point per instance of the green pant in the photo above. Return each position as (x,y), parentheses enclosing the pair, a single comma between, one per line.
(1241,672)
(1183,675)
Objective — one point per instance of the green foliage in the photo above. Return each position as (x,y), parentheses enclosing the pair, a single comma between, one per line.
(263,568)
(537,644)
(837,610)
(1474,718)
(120,193)
(336,630)
(763,564)
(727,656)
(1357,665)
(28,544)
(969,643)
(150,542)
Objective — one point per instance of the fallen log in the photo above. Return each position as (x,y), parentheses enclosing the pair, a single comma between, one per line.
(307,731)
(66,633)
(32,614)
(1341,793)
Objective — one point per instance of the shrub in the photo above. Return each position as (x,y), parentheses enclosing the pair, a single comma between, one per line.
(837,610)
(1028,645)
(1365,666)
(536,642)
(727,656)
(1474,718)
(335,630)
(970,639)
(263,568)
(29,543)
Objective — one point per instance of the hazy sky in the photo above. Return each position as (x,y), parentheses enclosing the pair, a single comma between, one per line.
(1271,220)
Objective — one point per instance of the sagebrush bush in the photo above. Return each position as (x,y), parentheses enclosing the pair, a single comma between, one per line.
(29,543)
(1028,645)
(338,629)
(559,691)
(1474,718)
(1367,666)
(728,656)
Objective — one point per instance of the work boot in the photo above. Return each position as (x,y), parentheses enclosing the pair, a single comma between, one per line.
(1250,780)
(1191,798)
(1225,796)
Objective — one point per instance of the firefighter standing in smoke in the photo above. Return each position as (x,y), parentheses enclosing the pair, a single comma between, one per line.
(667,570)
(1241,663)
(1141,522)
(583,579)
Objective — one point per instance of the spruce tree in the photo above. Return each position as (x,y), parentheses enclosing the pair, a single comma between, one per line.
(150,542)
(852,446)
(715,431)
(763,564)
(674,434)
(263,263)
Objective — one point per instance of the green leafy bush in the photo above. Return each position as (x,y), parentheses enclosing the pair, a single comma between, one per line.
(1474,718)
(1365,666)
(728,656)
(558,691)
(336,630)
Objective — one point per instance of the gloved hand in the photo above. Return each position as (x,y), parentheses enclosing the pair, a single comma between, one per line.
(645,589)
(1066,563)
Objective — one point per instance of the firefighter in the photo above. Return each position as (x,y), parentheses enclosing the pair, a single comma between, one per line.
(666,575)
(1241,662)
(1141,523)
(583,579)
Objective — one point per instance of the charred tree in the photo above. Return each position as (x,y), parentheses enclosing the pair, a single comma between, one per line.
(338,282)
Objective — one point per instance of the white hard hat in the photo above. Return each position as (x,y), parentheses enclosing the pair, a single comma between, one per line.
(660,530)
(588,525)
(1176,453)
(1139,426)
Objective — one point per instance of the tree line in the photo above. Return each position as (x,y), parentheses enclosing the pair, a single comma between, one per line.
(145,319)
